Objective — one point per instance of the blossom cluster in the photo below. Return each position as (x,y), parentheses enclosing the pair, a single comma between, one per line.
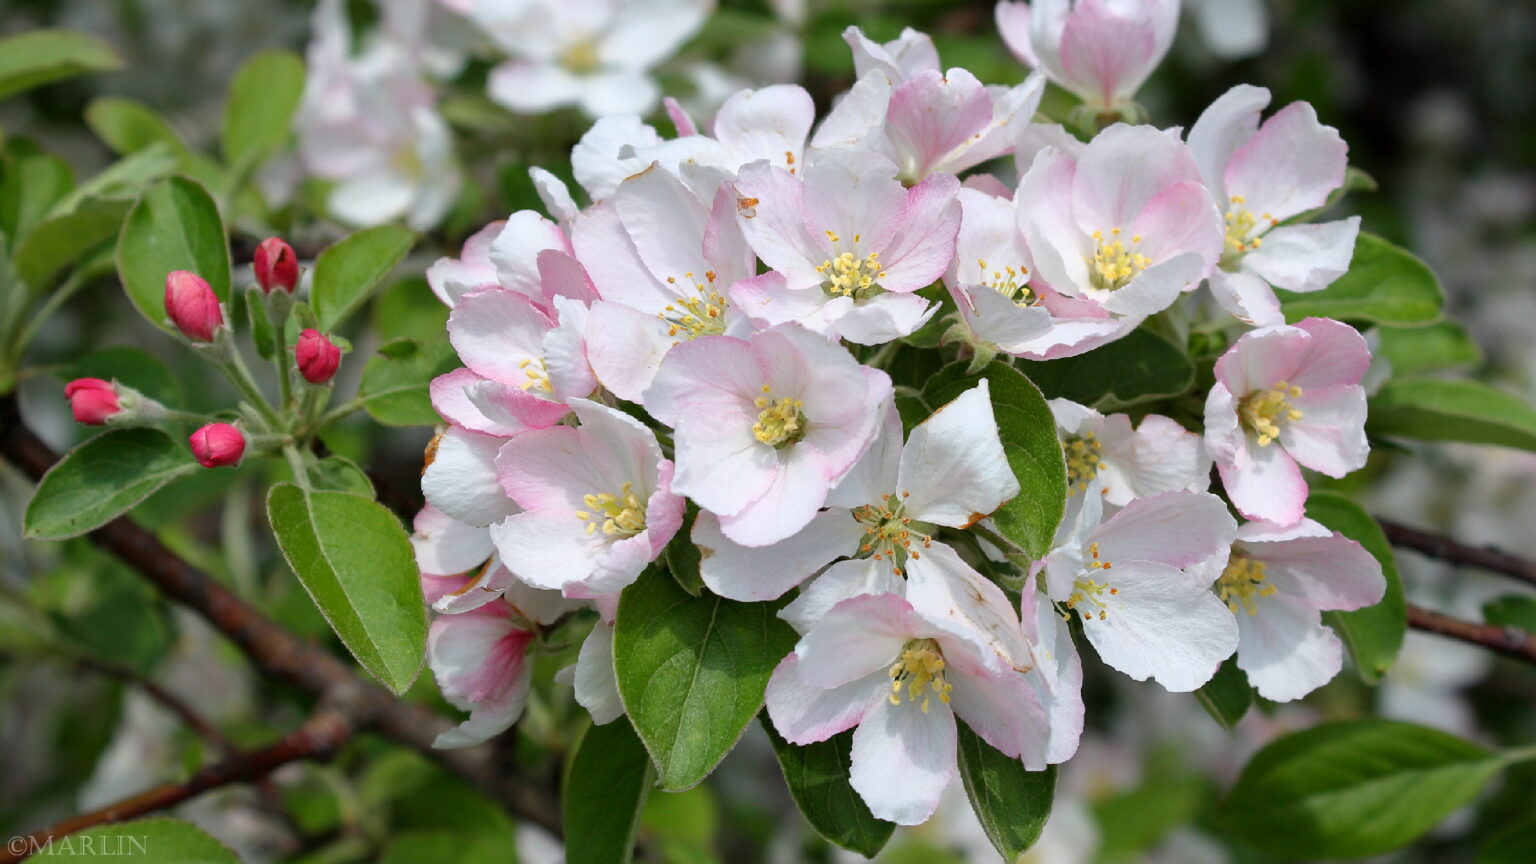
(705,334)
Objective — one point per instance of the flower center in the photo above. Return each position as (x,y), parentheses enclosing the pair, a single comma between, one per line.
(538,374)
(920,672)
(1115,264)
(1083,461)
(1089,592)
(888,533)
(780,422)
(1241,225)
(1009,282)
(1262,411)
(695,314)
(618,515)
(1243,583)
(581,56)
(845,275)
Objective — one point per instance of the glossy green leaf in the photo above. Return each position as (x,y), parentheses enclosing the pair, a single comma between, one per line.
(1028,432)
(1226,696)
(128,126)
(817,777)
(31,182)
(1352,789)
(174,226)
(1011,803)
(38,57)
(347,273)
(1416,350)
(263,334)
(151,841)
(103,479)
(395,381)
(340,474)
(262,98)
(355,560)
(683,557)
(1373,634)
(1516,610)
(1385,284)
(57,242)
(127,178)
(1142,365)
(692,671)
(1437,409)
(606,785)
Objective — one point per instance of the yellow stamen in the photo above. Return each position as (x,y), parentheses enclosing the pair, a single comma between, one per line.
(1242,583)
(1115,264)
(779,421)
(618,515)
(847,276)
(537,373)
(1083,460)
(697,311)
(920,672)
(1262,410)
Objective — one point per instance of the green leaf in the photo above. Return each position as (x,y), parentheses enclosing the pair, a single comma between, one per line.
(153,841)
(1385,284)
(605,788)
(340,474)
(692,671)
(1028,431)
(263,334)
(1373,634)
(1436,409)
(1226,697)
(395,381)
(131,366)
(103,479)
(1143,365)
(407,309)
(127,178)
(174,226)
(356,563)
(262,98)
(460,847)
(1518,611)
(57,242)
(817,777)
(32,182)
(1011,803)
(348,272)
(128,126)
(1416,350)
(37,57)
(1353,789)
(1134,821)
(683,557)
(1511,846)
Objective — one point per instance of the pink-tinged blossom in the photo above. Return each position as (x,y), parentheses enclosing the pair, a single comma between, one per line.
(192,306)
(1277,582)
(92,400)
(218,445)
(275,265)
(905,57)
(1116,234)
(989,277)
(769,124)
(1262,175)
(369,123)
(594,54)
(473,270)
(951,472)
(1058,677)
(1100,50)
(1145,606)
(1285,398)
(1157,456)
(848,244)
(596,499)
(460,478)
(901,676)
(593,678)
(766,425)
(479,659)
(461,571)
(533,257)
(662,262)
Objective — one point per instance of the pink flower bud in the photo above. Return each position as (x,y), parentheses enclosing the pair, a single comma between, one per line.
(92,400)
(317,356)
(192,305)
(276,266)
(217,444)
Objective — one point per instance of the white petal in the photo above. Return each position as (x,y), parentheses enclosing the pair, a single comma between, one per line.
(1160,624)
(1286,650)
(750,573)
(902,760)
(841,581)
(460,479)
(953,464)
(597,687)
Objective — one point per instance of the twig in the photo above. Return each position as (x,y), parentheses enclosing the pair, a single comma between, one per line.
(166,699)
(1445,549)
(1509,641)
(321,736)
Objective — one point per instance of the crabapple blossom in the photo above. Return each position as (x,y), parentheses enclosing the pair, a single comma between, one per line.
(1158,455)
(1287,397)
(596,503)
(901,676)
(1116,233)
(92,400)
(275,266)
(1277,582)
(989,276)
(479,659)
(192,306)
(951,472)
(1132,579)
(769,124)
(316,356)
(1100,50)
(460,478)
(848,244)
(766,425)
(532,256)
(1262,175)
(452,278)
(217,445)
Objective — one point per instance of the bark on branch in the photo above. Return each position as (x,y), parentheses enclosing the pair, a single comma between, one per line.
(1443,548)
(1509,641)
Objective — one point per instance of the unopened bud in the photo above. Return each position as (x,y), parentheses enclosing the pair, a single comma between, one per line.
(316,356)
(276,266)
(92,400)
(217,445)
(192,305)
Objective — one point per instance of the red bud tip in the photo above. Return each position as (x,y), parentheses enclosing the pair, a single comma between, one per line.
(317,356)
(92,400)
(217,445)
(276,266)
(192,305)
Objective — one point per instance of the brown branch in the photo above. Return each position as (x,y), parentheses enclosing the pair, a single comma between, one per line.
(166,699)
(1445,549)
(280,654)
(1509,641)
(321,736)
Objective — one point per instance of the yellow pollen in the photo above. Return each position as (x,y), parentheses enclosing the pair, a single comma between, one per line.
(1008,281)
(779,421)
(581,57)
(1242,583)
(919,672)
(1090,592)
(1115,264)
(1083,460)
(617,515)
(1261,411)
(537,374)
(1244,230)
(888,531)
(847,276)
(699,311)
